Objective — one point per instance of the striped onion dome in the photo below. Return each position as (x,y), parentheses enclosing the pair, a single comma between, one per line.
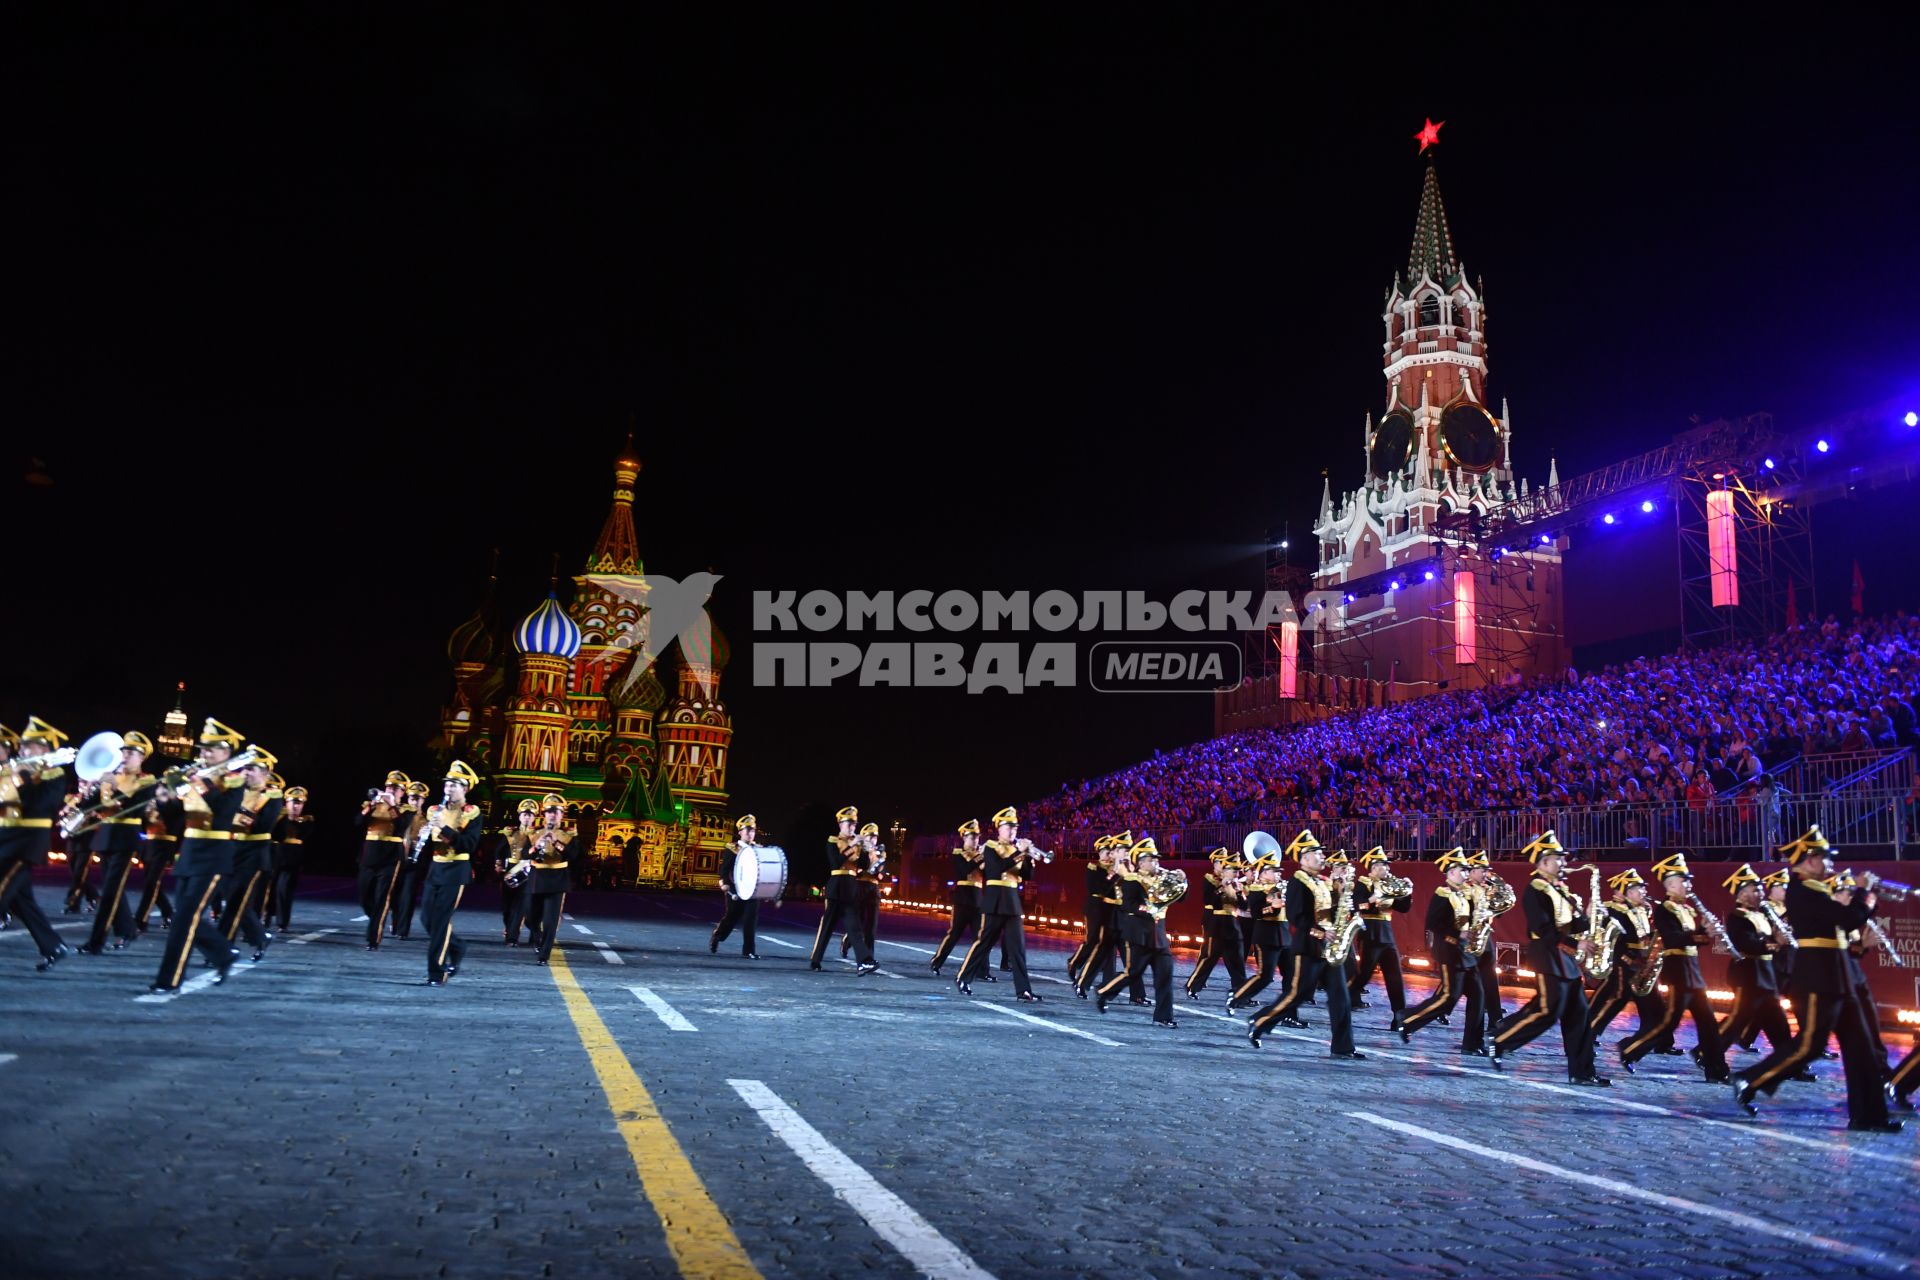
(548,630)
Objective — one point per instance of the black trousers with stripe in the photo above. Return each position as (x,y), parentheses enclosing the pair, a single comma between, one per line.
(1310,973)
(966,920)
(16,900)
(1830,1014)
(237,914)
(444,948)
(192,928)
(1614,994)
(1683,998)
(1557,999)
(1757,1011)
(1108,957)
(744,912)
(1144,958)
(115,912)
(1455,982)
(1222,948)
(1378,955)
(376,898)
(155,857)
(995,929)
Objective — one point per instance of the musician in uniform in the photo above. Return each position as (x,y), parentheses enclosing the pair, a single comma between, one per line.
(211,806)
(1857,973)
(30,795)
(1449,923)
(1112,941)
(1147,948)
(1639,940)
(382,819)
(1556,933)
(1682,932)
(865,909)
(515,897)
(1266,905)
(166,822)
(1004,864)
(1310,914)
(253,832)
(410,877)
(967,878)
(1497,900)
(453,832)
(1093,904)
(1774,887)
(289,850)
(844,855)
(1820,917)
(1220,898)
(120,824)
(744,912)
(1380,950)
(547,853)
(1756,941)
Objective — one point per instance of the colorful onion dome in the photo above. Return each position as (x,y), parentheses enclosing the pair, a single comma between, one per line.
(548,630)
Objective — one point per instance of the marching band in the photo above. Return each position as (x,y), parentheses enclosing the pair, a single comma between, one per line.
(232,833)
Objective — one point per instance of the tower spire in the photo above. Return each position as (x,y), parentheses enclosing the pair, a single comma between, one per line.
(1432,252)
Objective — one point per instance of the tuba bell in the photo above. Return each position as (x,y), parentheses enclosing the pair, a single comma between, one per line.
(98,756)
(1259,844)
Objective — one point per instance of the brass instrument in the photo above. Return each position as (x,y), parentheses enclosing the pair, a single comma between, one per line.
(1722,944)
(45,760)
(1891,890)
(1603,933)
(1391,886)
(1041,855)
(1164,888)
(1647,976)
(174,782)
(1498,900)
(1344,927)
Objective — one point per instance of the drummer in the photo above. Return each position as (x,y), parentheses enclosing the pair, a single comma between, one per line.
(744,912)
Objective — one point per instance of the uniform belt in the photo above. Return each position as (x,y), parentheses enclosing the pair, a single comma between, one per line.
(393,839)
(1681,951)
(1005,884)
(124,822)
(456,857)
(1821,944)
(538,866)
(158,839)
(1223,911)
(840,873)
(209,835)
(290,842)
(1376,915)
(255,835)
(26,822)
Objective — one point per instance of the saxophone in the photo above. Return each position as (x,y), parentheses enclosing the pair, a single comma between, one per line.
(1647,976)
(1603,932)
(1343,928)
(1722,944)
(1496,901)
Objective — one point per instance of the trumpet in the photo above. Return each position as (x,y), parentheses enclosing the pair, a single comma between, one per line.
(46,760)
(1891,890)
(1041,855)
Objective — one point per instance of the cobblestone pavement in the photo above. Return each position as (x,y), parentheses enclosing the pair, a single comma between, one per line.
(325,1113)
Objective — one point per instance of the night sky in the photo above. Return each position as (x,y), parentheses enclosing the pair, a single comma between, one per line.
(309,312)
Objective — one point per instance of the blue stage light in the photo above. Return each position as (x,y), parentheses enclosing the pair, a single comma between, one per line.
(1912,419)
(1546,539)
(1429,575)
(1646,506)
(1769,464)
(1822,446)
(1607,519)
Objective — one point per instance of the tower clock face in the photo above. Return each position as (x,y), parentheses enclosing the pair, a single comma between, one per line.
(1392,442)
(1471,437)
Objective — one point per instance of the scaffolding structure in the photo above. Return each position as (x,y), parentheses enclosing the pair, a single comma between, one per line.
(1772,537)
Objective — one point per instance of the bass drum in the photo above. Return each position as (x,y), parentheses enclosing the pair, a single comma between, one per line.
(760,873)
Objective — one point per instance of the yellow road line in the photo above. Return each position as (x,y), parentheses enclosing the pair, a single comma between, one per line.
(702,1241)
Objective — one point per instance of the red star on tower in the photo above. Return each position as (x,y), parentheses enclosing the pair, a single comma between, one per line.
(1429,136)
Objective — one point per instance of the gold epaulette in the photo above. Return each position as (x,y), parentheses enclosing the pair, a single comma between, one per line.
(1542,885)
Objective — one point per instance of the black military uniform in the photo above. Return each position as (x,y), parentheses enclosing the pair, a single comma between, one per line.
(743,912)
(289,853)
(458,827)
(29,800)
(547,888)
(1092,908)
(1756,988)
(1378,949)
(1486,969)
(80,850)
(120,842)
(510,850)
(410,877)
(1554,929)
(966,873)
(1145,924)
(1637,938)
(1220,900)
(1003,867)
(211,806)
(1309,907)
(1267,907)
(1821,922)
(381,843)
(252,841)
(845,856)
(1450,915)
(1682,934)
(865,908)
(160,843)
(1111,944)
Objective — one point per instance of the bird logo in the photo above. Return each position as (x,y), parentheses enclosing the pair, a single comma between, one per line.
(670,609)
